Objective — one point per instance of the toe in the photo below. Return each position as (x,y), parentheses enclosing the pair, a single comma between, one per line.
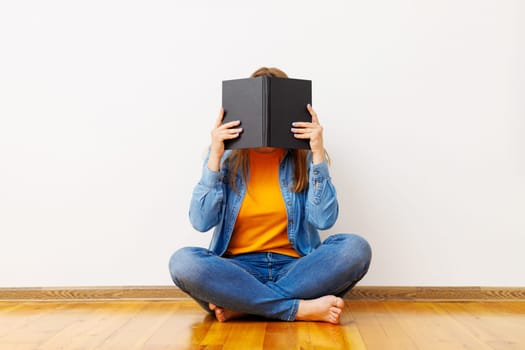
(333,319)
(219,314)
(340,303)
(336,310)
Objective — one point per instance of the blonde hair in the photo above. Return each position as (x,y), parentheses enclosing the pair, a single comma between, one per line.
(239,159)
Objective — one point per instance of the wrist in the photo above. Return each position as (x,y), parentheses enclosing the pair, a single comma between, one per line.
(317,156)
(214,162)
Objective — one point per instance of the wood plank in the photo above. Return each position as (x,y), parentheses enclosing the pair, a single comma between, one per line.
(38,327)
(75,331)
(470,321)
(303,335)
(245,335)
(139,328)
(16,315)
(352,337)
(92,329)
(379,327)
(435,330)
(498,325)
(217,334)
(186,326)
(183,324)
(282,335)
(326,336)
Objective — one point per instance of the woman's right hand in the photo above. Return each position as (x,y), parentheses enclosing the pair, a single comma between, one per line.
(220,133)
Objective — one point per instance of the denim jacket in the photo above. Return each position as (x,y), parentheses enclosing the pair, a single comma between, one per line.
(215,204)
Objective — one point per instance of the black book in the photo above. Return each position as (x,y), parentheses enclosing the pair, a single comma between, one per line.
(266,107)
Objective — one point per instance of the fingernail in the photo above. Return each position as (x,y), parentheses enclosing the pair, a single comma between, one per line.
(294,123)
(309,105)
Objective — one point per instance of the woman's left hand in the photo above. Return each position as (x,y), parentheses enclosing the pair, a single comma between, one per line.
(313,131)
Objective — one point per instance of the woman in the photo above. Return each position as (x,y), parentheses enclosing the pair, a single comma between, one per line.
(265,257)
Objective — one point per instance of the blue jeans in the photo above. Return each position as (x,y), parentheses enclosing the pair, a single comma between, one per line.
(271,284)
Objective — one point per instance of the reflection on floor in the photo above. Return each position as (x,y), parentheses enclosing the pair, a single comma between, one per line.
(182,324)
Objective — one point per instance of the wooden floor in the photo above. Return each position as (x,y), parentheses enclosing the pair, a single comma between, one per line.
(183,325)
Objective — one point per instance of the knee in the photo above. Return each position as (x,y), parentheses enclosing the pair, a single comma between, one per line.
(181,264)
(362,246)
(355,248)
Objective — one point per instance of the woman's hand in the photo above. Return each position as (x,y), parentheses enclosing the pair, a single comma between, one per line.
(312,131)
(220,133)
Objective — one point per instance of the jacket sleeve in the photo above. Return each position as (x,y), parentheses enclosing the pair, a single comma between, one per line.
(322,207)
(207,200)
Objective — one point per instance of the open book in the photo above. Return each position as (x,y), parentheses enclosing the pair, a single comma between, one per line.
(266,107)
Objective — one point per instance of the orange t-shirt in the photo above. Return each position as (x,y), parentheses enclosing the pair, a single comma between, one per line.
(261,224)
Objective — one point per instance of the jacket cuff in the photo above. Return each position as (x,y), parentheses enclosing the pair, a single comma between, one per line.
(209,177)
(319,171)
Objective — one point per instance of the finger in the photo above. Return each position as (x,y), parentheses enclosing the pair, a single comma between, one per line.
(233,131)
(229,125)
(315,119)
(301,130)
(302,136)
(231,136)
(310,128)
(219,119)
(303,125)
(228,133)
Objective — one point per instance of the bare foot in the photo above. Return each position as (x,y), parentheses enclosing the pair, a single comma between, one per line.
(325,309)
(224,315)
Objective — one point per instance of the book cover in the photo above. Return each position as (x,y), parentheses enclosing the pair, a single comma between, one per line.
(266,107)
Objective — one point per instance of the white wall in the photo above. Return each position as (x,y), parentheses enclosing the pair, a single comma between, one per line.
(106,108)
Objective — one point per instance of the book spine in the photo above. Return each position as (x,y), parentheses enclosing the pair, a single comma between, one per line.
(266,111)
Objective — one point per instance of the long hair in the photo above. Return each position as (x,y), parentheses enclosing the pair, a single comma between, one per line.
(238,159)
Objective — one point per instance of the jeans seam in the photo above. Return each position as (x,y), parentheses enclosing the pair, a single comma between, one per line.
(269,257)
(252,272)
(293,310)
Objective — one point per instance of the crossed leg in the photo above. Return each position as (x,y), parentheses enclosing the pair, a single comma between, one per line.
(229,291)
